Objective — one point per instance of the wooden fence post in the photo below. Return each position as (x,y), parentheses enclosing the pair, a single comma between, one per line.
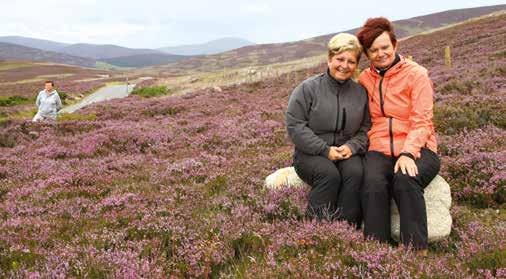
(448,57)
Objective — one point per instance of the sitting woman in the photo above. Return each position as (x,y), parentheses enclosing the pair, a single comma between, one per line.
(327,119)
(402,158)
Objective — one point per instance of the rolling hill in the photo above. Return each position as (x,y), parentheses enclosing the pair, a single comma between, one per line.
(17,52)
(34,43)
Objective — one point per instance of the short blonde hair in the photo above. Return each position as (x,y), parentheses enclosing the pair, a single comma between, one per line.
(344,42)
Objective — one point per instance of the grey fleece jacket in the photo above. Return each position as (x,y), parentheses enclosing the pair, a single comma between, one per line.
(48,103)
(324,112)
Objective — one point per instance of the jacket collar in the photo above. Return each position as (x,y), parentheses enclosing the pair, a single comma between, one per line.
(49,93)
(334,82)
(403,62)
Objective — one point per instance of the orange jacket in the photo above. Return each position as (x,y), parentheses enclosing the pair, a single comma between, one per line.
(400,104)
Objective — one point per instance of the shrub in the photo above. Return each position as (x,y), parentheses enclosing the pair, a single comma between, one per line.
(451,119)
(153,91)
(63,96)
(14,101)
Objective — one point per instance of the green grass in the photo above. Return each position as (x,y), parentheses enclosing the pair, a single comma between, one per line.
(8,65)
(493,260)
(65,117)
(500,54)
(217,186)
(106,66)
(14,260)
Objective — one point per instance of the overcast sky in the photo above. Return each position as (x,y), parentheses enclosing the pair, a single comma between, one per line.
(160,23)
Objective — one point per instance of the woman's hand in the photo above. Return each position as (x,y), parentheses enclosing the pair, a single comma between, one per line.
(345,151)
(334,154)
(406,165)
(339,153)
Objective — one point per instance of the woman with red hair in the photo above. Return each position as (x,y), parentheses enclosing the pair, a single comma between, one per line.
(401,160)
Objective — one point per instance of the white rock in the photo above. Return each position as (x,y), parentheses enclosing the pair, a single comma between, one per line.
(438,201)
(437,196)
(285,177)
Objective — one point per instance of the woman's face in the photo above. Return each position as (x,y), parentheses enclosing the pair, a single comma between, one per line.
(343,65)
(382,52)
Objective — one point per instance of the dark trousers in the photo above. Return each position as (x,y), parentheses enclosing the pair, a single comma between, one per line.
(381,184)
(335,186)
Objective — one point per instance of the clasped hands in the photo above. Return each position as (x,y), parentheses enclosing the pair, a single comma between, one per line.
(337,153)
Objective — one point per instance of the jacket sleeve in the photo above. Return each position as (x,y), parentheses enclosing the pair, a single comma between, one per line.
(58,103)
(297,117)
(37,101)
(359,142)
(420,116)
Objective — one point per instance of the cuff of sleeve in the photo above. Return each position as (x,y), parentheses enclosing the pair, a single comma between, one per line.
(352,147)
(325,152)
(407,154)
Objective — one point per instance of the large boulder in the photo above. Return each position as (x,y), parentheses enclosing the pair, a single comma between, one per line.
(437,199)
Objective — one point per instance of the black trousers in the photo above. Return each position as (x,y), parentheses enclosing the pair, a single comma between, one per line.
(381,184)
(335,186)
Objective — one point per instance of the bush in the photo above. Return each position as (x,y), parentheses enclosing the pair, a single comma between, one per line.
(451,119)
(7,140)
(13,101)
(63,96)
(153,91)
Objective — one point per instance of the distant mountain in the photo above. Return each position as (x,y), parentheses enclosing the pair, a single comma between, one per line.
(33,43)
(212,47)
(143,60)
(93,51)
(104,51)
(17,52)
(262,54)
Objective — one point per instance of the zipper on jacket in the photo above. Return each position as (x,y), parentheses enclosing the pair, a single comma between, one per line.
(390,131)
(382,102)
(337,117)
(390,119)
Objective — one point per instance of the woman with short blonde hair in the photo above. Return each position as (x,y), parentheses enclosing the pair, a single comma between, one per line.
(327,120)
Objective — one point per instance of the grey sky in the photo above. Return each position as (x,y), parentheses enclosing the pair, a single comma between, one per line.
(157,23)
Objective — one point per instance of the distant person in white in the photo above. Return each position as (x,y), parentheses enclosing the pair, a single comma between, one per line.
(48,103)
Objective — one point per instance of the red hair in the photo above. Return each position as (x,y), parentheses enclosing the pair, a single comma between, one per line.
(374,27)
